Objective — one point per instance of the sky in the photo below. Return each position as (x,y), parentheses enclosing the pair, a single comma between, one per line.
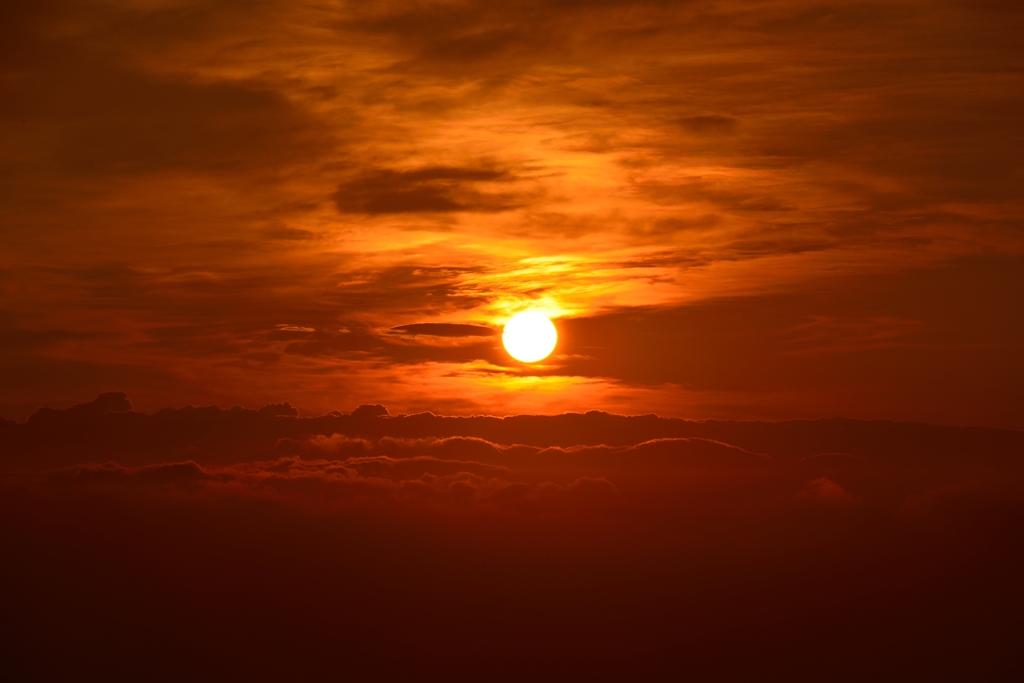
(257,421)
(753,210)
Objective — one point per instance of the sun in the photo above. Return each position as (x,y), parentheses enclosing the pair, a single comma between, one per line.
(529,336)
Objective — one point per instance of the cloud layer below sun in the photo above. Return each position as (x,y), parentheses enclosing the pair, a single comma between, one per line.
(375,546)
(767,209)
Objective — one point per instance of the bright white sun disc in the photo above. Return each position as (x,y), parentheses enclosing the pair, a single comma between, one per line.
(529,336)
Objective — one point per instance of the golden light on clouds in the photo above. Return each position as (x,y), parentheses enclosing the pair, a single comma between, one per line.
(184,177)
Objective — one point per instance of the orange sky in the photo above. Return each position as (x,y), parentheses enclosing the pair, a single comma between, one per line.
(734,209)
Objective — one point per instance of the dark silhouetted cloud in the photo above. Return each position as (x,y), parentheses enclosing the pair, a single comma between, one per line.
(582,540)
(436,189)
(446,330)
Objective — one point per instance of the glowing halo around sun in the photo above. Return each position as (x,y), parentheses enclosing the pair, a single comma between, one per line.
(529,336)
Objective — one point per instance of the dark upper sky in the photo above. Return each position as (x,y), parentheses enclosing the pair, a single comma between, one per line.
(732,209)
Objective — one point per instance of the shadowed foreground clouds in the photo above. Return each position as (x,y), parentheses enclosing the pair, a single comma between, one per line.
(735,209)
(372,546)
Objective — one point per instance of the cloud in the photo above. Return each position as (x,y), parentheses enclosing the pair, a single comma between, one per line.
(722,154)
(445,330)
(107,428)
(418,530)
(282,232)
(710,124)
(369,411)
(110,402)
(431,189)
(102,116)
(530,465)
(360,481)
(186,473)
(827,491)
